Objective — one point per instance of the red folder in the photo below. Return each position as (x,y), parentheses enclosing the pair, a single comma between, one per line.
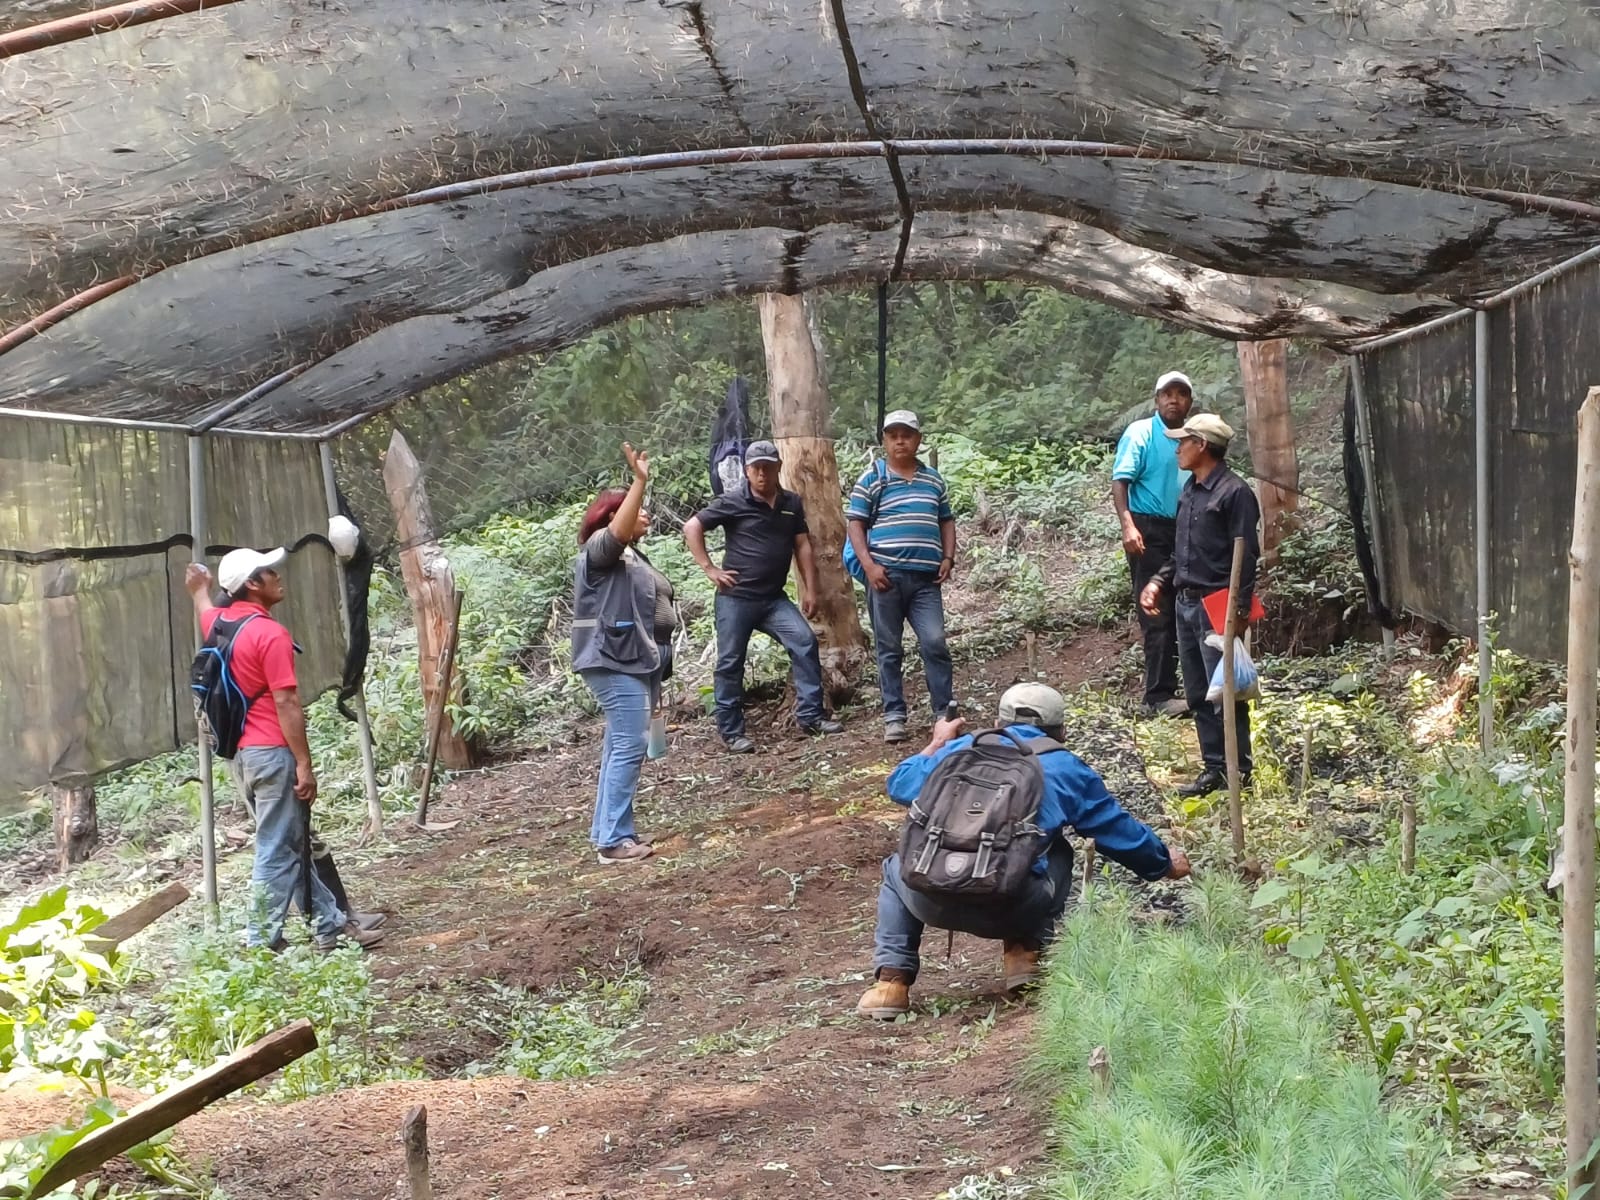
(1217,609)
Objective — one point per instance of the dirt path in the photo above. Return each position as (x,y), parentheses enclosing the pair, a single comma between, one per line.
(748,1072)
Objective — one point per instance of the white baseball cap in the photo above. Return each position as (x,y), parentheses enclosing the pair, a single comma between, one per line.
(902,416)
(1032,704)
(1174,377)
(237,566)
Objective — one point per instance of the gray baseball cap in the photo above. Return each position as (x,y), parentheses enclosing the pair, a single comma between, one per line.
(760,452)
(1032,704)
(902,416)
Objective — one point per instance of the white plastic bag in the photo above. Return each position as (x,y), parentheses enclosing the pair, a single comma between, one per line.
(1246,679)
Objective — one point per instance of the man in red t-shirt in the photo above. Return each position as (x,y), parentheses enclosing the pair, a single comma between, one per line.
(273,766)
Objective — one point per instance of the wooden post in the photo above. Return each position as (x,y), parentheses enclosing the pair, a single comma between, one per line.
(1230,714)
(1263,366)
(801,426)
(163,1111)
(414,1134)
(1578,896)
(77,826)
(1086,888)
(118,929)
(429,582)
(1408,834)
(208,804)
(436,716)
(1305,760)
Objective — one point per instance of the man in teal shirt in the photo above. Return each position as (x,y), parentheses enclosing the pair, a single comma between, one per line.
(1145,484)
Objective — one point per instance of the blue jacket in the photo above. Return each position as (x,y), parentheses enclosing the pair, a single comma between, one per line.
(1073,795)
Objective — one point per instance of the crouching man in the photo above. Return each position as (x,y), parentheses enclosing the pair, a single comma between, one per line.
(985,850)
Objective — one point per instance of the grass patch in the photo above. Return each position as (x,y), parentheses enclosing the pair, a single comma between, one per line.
(1226,1077)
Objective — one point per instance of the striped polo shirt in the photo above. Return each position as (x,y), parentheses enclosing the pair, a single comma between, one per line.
(902,516)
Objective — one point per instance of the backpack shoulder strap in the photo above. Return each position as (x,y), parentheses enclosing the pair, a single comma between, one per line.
(1042,745)
(880,480)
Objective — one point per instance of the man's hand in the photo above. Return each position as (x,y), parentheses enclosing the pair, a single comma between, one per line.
(1150,598)
(638,461)
(808,606)
(197,578)
(944,732)
(305,781)
(1132,539)
(946,565)
(1180,863)
(724,580)
(877,577)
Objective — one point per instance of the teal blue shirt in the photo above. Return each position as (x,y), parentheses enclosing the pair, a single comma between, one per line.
(1147,460)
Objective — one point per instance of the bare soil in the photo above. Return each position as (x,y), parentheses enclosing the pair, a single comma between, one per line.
(747,1071)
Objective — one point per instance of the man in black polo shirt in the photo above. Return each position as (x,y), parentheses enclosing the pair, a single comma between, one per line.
(1215,507)
(766,528)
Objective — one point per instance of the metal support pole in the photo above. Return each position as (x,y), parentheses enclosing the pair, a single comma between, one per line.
(369,762)
(208,809)
(1481,457)
(1366,450)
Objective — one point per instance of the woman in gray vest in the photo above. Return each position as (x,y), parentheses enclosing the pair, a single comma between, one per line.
(622,623)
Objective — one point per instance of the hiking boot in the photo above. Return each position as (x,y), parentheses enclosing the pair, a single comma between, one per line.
(888,998)
(626,851)
(894,731)
(1021,966)
(1210,780)
(365,938)
(823,727)
(739,744)
(368,921)
(1175,706)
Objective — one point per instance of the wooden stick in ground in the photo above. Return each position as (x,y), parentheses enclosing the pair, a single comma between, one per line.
(441,704)
(1230,714)
(163,1111)
(1408,835)
(1577,928)
(414,1133)
(1088,871)
(143,914)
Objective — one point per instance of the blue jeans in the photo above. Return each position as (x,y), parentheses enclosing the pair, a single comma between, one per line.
(1199,660)
(778,618)
(913,596)
(1031,919)
(265,777)
(626,701)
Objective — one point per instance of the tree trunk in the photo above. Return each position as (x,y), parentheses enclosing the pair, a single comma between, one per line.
(76,824)
(430,583)
(801,426)
(1272,453)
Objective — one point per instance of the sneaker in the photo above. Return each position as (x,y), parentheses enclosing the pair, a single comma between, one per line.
(626,851)
(1021,966)
(1210,780)
(369,921)
(894,731)
(823,727)
(739,744)
(888,998)
(365,938)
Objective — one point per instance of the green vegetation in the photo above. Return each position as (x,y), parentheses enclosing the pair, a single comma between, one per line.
(1221,1080)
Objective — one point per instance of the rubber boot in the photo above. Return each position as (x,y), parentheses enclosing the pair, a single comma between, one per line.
(889,997)
(1021,965)
(329,874)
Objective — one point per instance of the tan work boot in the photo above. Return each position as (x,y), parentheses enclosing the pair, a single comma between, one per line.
(1021,966)
(889,997)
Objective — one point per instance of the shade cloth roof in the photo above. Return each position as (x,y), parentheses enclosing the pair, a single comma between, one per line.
(281,217)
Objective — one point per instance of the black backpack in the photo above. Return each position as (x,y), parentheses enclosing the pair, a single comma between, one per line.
(973,832)
(220,704)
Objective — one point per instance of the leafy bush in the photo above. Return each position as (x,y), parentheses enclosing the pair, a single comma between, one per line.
(1224,1077)
(562,1039)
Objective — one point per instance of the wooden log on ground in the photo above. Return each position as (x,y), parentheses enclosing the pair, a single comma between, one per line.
(430,584)
(1582,1082)
(77,825)
(162,1112)
(142,915)
(1264,368)
(801,427)
(414,1133)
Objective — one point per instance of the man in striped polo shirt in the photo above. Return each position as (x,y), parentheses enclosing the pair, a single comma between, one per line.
(905,537)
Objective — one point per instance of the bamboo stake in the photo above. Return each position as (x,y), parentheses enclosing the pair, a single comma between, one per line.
(1578,898)
(437,717)
(1230,714)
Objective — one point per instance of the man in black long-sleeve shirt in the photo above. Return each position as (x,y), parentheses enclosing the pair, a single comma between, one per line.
(1216,506)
